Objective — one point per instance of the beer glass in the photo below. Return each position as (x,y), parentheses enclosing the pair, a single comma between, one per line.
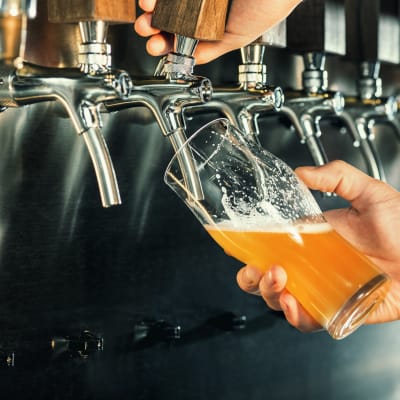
(256,208)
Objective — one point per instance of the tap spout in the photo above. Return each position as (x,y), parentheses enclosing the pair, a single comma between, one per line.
(307,128)
(103,166)
(80,96)
(305,114)
(98,151)
(169,100)
(358,131)
(362,114)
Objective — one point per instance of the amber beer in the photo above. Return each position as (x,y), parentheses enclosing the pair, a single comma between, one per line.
(324,270)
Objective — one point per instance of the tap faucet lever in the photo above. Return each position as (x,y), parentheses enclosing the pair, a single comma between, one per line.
(81,91)
(190,21)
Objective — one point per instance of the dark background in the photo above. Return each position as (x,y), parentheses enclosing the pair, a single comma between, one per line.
(68,266)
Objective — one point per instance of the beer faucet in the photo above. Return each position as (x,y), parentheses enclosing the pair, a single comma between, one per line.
(174,88)
(243,103)
(253,83)
(81,91)
(311,34)
(306,107)
(369,109)
(306,115)
(364,45)
(314,38)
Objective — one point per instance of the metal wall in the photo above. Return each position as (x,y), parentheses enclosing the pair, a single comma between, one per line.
(142,285)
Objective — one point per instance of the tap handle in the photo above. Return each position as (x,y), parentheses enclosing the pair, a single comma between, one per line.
(73,11)
(317,26)
(197,19)
(365,27)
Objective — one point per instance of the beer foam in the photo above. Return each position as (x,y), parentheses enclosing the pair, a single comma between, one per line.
(262,226)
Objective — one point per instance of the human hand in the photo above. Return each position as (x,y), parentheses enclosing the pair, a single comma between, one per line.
(247,20)
(371,224)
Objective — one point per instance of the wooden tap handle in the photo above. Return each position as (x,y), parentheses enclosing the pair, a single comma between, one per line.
(73,11)
(197,19)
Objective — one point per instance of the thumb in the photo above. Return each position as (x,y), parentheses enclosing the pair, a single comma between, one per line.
(346,181)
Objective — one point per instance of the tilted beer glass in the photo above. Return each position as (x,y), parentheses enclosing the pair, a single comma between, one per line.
(254,206)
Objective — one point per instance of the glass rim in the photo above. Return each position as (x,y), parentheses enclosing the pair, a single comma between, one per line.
(189,139)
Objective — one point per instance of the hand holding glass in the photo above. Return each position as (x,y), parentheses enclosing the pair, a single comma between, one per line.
(258,211)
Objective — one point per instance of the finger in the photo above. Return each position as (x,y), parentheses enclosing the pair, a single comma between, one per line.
(272,286)
(209,51)
(158,45)
(248,279)
(347,181)
(296,315)
(143,26)
(147,5)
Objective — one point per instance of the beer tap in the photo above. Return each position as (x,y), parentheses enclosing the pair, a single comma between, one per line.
(243,103)
(253,82)
(313,35)
(369,107)
(174,88)
(81,91)
(310,34)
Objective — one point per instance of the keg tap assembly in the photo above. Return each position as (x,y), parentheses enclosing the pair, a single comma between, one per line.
(81,90)
(314,29)
(368,46)
(305,107)
(252,96)
(174,88)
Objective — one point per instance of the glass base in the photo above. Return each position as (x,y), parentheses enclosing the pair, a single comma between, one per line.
(356,310)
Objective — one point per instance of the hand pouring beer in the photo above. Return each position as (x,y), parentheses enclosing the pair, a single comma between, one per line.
(254,206)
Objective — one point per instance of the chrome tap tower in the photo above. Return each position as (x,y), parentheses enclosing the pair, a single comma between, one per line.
(135,301)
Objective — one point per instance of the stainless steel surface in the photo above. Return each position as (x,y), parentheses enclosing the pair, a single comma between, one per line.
(243,102)
(178,65)
(306,108)
(69,266)
(80,95)
(315,76)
